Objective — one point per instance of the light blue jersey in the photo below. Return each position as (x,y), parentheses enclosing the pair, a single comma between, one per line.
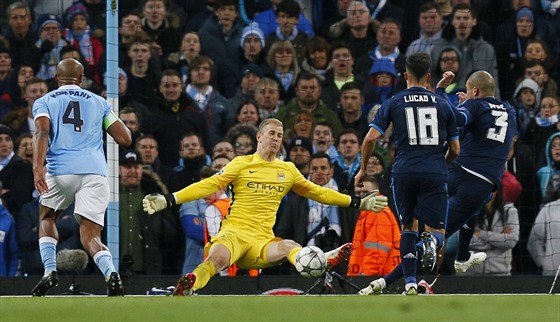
(76,133)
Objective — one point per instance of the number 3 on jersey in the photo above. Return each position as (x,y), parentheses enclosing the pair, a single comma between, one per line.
(502,125)
(423,125)
(73,109)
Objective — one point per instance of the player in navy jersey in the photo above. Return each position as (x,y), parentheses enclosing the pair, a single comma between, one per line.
(488,128)
(423,123)
(69,165)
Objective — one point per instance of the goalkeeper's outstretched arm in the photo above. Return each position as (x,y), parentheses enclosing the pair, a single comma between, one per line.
(156,202)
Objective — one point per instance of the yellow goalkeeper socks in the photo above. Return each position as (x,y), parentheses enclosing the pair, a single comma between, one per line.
(204,272)
(292,255)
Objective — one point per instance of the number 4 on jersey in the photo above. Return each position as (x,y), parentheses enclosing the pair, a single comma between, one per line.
(76,120)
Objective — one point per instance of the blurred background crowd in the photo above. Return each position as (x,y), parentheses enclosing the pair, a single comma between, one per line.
(196,77)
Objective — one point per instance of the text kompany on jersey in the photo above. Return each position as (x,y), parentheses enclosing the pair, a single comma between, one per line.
(76,117)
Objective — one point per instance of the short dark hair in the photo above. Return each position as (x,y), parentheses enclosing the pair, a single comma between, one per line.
(321,155)
(206,172)
(427,6)
(289,7)
(464,6)
(307,76)
(316,44)
(188,135)
(348,130)
(223,3)
(350,86)
(339,45)
(418,64)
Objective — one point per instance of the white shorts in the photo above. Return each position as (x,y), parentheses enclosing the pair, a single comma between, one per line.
(90,191)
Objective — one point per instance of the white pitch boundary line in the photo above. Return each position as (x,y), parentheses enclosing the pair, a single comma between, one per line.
(308,295)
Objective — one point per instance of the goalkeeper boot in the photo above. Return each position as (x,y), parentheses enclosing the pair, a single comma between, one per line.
(47,282)
(374,288)
(430,251)
(424,287)
(410,289)
(474,259)
(115,285)
(185,285)
(338,255)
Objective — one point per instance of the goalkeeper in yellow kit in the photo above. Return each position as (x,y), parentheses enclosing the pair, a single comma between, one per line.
(258,182)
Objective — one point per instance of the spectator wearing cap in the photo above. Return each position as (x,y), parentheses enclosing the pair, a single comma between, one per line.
(78,34)
(252,74)
(208,98)
(253,44)
(180,60)
(287,15)
(20,36)
(139,233)
(16,174)
(220,37)
(50,43)
(514,36)
(299,151)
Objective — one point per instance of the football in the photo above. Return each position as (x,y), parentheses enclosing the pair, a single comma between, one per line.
(311,261)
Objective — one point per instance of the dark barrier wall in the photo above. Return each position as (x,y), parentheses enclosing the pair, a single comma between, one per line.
(139,285)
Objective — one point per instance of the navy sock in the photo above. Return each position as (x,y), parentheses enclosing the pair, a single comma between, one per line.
(439,238)
(408,255)
(465,235)
(395,275)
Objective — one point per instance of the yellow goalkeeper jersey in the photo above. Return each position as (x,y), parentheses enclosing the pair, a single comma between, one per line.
(257,188)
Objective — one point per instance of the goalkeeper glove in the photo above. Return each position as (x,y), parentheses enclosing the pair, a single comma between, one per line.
(156,202)
(372,201)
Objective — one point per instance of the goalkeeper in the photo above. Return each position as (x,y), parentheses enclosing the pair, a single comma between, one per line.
(258,182)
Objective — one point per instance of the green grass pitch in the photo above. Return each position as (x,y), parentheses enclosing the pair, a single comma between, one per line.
(449,308)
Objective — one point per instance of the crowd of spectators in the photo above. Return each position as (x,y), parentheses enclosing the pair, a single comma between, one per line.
(195,79)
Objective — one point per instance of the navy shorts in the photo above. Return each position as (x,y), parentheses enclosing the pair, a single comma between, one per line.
(467,195)
(423,198)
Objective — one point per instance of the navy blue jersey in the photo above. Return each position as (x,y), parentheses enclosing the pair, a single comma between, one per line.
(489,126)
(422,123)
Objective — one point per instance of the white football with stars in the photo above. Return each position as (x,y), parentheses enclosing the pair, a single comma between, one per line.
(311,261)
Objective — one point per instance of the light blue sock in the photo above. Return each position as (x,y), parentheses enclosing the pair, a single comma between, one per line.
(104,261)
(47,247)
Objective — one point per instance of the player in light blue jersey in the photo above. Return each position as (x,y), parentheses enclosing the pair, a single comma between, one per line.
(69,165)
